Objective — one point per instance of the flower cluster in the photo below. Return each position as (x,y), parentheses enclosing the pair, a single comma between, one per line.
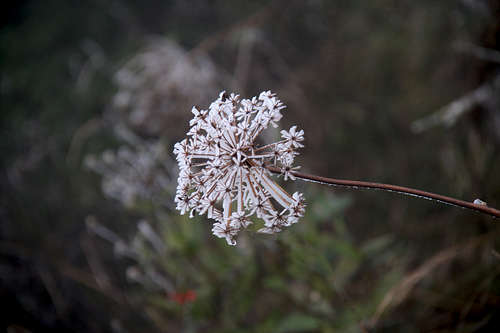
(134,172)
(160,79)
(222,166)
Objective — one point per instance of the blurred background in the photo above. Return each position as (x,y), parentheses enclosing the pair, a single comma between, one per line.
(95,93)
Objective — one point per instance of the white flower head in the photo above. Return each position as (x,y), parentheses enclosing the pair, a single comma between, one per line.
(137,170)
(223,170)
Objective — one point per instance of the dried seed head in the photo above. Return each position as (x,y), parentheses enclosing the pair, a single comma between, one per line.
(221,166)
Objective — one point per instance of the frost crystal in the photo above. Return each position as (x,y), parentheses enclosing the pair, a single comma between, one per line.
(221,166)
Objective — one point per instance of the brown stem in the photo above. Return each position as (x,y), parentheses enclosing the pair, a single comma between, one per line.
(482,208)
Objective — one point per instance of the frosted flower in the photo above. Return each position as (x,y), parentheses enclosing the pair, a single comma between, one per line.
(293,137)
(223,170)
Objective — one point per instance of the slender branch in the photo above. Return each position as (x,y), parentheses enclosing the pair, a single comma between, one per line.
(482,208)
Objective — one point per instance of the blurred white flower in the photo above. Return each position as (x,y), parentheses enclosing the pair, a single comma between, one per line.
(158,81)
(139,171)
(221,166)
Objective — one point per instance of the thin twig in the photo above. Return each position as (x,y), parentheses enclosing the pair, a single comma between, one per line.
(482,208)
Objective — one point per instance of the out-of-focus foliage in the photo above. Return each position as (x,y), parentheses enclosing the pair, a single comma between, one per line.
(112,83)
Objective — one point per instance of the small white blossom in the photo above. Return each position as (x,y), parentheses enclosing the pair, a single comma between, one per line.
(293,137)
(225,230)
(298,207)
(240,220)
(223,171)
